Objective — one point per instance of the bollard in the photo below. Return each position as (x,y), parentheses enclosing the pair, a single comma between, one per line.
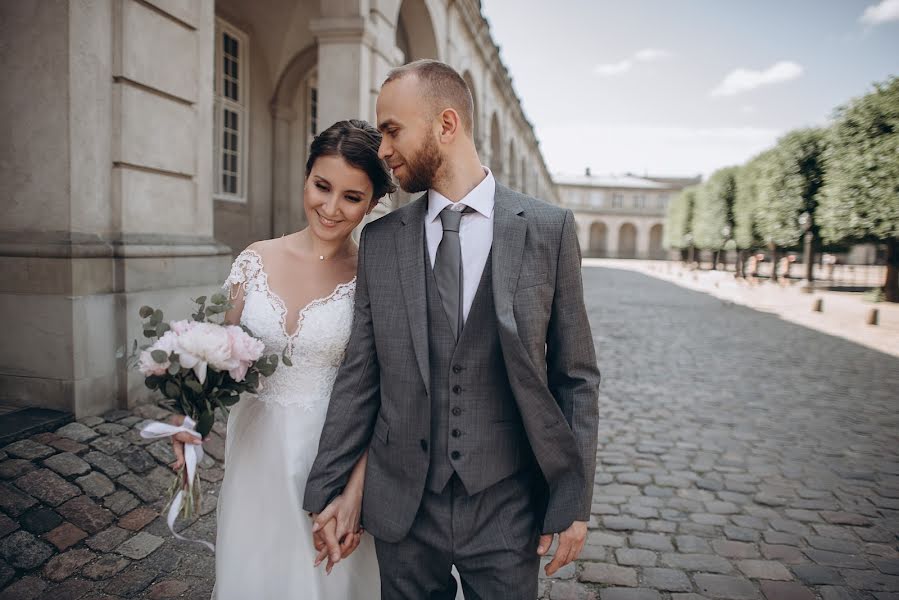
(872,317)
(819,305)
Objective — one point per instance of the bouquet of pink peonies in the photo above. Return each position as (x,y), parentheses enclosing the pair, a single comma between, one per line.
(199,366)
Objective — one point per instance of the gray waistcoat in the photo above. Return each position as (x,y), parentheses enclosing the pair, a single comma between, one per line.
(476,429)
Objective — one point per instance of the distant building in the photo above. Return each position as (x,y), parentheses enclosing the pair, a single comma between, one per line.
(620,216)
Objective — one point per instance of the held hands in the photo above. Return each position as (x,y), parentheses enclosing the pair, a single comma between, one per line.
(571,542)
(335,532)
(178,441)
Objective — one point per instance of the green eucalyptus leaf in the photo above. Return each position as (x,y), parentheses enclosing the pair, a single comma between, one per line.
(156,318)
(219,299)
(149,333)
(145,311)
(201,300)
(194,386)
(162,328)
(171,389)
(159,356)
(286,360)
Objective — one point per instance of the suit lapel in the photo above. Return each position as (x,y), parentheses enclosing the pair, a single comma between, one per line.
(410,257)
(509,233)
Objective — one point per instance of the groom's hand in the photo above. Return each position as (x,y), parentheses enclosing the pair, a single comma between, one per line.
(571,542)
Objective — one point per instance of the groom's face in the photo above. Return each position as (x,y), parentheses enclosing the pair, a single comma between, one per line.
(409,143)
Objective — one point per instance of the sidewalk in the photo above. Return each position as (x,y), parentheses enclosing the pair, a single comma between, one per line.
(844,314)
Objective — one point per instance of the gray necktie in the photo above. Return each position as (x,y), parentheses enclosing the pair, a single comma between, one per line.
(448,267)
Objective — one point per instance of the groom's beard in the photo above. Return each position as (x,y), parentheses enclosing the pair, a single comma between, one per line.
(421,170)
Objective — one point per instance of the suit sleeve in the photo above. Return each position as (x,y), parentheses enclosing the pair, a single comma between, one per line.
(355,402)
(572,372)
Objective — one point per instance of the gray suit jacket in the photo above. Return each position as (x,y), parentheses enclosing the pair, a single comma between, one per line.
(380,398)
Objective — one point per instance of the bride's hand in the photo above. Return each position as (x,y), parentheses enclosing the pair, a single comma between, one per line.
(178,441)
(345,510)
(345,547)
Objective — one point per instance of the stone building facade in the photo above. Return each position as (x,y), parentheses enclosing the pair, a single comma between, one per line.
(149,140)
(620,216)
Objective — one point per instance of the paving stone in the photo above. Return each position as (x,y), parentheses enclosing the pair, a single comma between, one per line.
(569,590)
(65,536)
(7,525)
(162,451)
(601,538)
(110,466)
(724,586)
(566,572)
(138,518)
(166,560)
(96,484)
(741,534)
(14,502)
(140,546)
(7,574)
(670,580)
(784,539)
(106,567)
(786,590)
(67,445)
(764,569)
(732,549)
(616,523)
(139,486)
(152,412)
(875,534)
(110,444)
(62,566)
(47,486)
(67,464)
(214,446)
(92,421)
(635,557)
(29,450)
(692,544)
(661,543)
(867,580)
(784,554)
(27,588)
(212,475)
(883,550)
(845,518)
(14,467)
(170,588)
(121,502)
(111,429)
(108,539)
(608,574)
(629,594)
(836,559)
(834,544)
(118,414)
(22,550)
(86,514)
(77,432)
(841,593)
(817,575)
(593,553)
(697,562)
(890,567)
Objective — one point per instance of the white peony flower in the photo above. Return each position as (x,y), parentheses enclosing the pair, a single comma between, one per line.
(205,344)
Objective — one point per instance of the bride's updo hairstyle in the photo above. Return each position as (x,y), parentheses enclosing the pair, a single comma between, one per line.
(356,142)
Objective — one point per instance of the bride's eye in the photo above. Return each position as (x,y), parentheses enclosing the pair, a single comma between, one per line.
(354,198)
(321,186)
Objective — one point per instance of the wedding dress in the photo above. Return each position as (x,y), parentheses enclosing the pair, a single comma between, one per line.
(264,546)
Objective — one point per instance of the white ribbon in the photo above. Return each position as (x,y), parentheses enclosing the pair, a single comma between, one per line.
(193,454)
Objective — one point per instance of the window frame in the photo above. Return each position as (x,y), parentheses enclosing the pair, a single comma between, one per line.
(241,107)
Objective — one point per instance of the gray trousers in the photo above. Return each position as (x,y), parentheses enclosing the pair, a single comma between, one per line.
(490,537)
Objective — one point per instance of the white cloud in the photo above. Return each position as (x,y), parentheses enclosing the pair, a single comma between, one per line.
(885,11)
(653,149)
(618,68)
(744,80)
(649,54)
(623,66)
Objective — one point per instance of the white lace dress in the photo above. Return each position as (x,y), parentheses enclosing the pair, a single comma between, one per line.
(264,544)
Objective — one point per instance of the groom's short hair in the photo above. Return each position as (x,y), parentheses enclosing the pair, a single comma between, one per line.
(443,87)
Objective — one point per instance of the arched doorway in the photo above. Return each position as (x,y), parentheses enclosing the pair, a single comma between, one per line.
(656,252)
(476,118)
(627,241)
(415,32)
(496,148)
(598,235)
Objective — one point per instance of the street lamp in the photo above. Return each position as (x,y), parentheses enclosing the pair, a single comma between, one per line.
(805,224)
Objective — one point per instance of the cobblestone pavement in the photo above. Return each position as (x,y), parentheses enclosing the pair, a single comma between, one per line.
(740,457)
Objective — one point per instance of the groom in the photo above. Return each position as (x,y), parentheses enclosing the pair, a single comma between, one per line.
(470,374)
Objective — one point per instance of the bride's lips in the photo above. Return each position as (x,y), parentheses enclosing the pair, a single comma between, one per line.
(326,222)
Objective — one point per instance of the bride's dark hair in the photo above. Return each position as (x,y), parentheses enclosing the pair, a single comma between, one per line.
(356,142)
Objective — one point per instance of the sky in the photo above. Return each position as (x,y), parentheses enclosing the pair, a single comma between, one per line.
(684,87)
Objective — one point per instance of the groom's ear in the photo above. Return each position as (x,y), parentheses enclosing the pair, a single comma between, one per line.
(450,125)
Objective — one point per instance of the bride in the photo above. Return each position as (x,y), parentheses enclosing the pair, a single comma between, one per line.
(296,292)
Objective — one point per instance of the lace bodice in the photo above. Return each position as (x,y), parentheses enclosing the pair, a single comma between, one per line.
(316,347)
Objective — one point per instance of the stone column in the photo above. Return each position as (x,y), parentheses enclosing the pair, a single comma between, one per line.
(108,202)
(284,220)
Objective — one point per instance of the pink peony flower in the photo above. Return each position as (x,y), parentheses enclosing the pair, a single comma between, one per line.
(168,343)
(183,326)
(245,350)
(205,344)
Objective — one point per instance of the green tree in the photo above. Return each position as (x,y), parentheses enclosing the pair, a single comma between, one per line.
(679,221)
(860,201)
(746,232)
(789,187)
(713,216)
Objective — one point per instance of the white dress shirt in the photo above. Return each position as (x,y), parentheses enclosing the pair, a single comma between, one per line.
(475,233)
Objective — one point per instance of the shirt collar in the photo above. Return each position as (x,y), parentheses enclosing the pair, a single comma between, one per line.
(480,198)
